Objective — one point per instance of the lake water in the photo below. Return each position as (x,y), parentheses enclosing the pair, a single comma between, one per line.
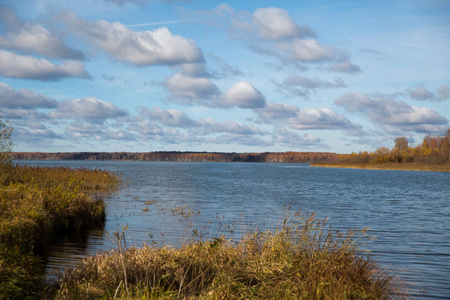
(408,212)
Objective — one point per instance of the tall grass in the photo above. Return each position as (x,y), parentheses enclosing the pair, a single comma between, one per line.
(35,204)
(302,259)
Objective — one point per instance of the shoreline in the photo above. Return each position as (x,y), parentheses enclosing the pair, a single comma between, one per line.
(384,166)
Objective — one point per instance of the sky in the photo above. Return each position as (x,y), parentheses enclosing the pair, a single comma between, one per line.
(234,76)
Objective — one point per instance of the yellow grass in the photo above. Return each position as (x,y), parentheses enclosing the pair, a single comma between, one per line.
(385,166)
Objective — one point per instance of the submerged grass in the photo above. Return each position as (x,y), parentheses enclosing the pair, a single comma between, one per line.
(36,203)
(302,259)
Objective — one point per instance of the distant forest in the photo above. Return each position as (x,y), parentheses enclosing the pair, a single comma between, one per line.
(433,150)
(271,157)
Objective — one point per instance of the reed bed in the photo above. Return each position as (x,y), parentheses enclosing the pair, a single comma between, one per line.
(35,204)
(302,259)
(414,166)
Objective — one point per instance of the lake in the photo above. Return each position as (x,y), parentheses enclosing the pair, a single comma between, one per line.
(165,202)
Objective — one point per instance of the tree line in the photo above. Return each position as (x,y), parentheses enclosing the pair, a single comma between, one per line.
(432,150)
(286,157)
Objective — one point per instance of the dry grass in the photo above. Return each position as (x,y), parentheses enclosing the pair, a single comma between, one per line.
(385,166)
(303,259)
(34,204)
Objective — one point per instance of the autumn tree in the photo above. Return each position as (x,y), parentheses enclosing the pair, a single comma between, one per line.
(5,143)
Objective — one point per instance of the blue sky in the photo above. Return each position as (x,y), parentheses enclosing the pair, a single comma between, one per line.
(235,76)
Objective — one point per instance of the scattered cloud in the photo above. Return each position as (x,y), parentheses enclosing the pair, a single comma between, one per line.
(302,86)
(23,99)
(19,66)
(139,48)
(293,139)
(421,93)
(171,117)
(87,108)
(190,90)
(275,23)
(320,118)
(31,38)
(345,67)
(211,126)
(244,95)
(444,92)
(276,112)
(394,114)
(272,31)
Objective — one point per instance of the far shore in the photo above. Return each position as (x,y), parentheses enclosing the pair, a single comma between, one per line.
(384,166)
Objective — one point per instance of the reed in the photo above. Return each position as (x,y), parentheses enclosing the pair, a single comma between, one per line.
(302,259)
(414,166)
(36,203)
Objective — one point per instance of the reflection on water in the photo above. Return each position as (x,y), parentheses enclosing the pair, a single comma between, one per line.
(408,212)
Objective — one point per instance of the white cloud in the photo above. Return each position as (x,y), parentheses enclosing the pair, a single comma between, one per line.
(171,117)
(88,108)
(293,139)
(394,114)
(276,112)
(190,89)
(244,95)
(345,67)
(32,38)
(211,126)
(276,23)
(83,130)
(19,66)
(308,50)
(319,118)
(140,48)
(272,31)
(443,92)
(23,98)
(302,86)
(421,93)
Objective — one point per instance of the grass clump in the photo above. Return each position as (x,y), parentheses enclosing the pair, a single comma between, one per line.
(35,204)
(303,259)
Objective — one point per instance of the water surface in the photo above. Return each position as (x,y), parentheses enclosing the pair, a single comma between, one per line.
(408,212)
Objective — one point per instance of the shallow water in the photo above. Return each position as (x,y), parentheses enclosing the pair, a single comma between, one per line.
(408,212)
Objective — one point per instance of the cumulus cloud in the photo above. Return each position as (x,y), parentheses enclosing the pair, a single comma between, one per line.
(275,112)
(276,23)
(394,114)
(272,31)
(444,92)
(19,66)
(171,117)
(88,108)
(140,48)
(211,126)
(345,67)
(33,135)
(83,130)
(421,93)
(190,89)
(31,38)
(293,139)
(306,118)
(23,98)
(244,95)
(308,50)
(302,86)
(319,118)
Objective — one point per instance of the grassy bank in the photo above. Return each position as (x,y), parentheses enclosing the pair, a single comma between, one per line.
(36,203)
(385,166)
(303,259)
